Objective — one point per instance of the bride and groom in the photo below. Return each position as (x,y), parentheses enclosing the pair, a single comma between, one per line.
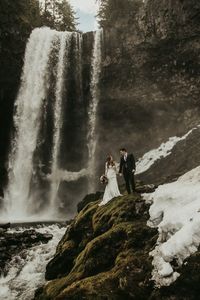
(127,167)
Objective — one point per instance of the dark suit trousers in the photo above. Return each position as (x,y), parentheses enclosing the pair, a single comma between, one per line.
(129,180)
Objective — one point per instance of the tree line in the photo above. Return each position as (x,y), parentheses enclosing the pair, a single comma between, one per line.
(58,15)
(113,11)
(55,14)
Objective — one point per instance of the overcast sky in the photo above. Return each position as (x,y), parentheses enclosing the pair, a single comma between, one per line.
(86,11)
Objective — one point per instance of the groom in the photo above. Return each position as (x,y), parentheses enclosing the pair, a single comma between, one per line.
(127,166)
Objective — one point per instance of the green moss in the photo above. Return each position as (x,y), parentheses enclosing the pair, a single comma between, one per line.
(117,210)
(113,261)
(75,239)
(111,256)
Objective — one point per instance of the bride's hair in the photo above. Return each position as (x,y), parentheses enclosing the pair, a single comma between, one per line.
(110,161)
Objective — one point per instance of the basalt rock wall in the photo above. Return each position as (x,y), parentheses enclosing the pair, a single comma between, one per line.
(150,77)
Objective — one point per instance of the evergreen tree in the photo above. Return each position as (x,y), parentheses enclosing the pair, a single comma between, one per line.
(48,13)
(66,17)
(58,15)
(111,11)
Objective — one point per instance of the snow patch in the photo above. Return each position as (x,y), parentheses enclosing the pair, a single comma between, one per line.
(176,213)
(149,158)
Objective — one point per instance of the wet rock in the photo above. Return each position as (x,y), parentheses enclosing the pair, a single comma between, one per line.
(148,188)
(87,199)
(47,236)
(13,243)
(5,226)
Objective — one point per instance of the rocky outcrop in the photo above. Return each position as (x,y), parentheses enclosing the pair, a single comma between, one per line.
(104,254)
(88,199)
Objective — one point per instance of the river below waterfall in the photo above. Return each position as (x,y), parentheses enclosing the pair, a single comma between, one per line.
(26,270)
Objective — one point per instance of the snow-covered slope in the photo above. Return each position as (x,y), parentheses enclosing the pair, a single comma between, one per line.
(176,213)
(149,158)
(171,159)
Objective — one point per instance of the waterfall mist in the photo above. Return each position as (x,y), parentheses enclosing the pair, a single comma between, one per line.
(92,139)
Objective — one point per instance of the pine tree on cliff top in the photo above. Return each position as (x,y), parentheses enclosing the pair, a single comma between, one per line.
(111,11)
(58,15)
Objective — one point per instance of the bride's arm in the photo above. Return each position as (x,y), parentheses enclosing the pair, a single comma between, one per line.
(115,167)
(106,169)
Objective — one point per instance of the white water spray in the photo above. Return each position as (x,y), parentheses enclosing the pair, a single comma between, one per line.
(27,270)
(46,46)
(57,174)
(65,42)
(79,50)
(94,88)
(29,103)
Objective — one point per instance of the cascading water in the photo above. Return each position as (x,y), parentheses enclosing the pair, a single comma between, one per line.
(29,103)
(57,174)
(94,89)
(51,93)
(27,270)
(58,114)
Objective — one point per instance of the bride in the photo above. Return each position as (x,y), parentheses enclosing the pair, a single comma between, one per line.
(112,189)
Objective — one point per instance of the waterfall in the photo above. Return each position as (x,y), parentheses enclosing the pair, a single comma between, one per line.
(32,93)
(94,89)
(79,50)
(57,174)
(58,114)
(50,98)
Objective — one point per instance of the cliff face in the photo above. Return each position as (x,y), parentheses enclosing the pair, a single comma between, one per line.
(169,19)
(183,157)
(150,77)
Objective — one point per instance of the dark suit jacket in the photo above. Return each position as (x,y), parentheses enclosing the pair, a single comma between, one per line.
(128,165)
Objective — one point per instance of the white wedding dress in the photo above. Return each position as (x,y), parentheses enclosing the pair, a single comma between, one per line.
(112,189)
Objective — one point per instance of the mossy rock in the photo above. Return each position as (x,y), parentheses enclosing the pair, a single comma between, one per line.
(73,242)
(88,199)
(105,253)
